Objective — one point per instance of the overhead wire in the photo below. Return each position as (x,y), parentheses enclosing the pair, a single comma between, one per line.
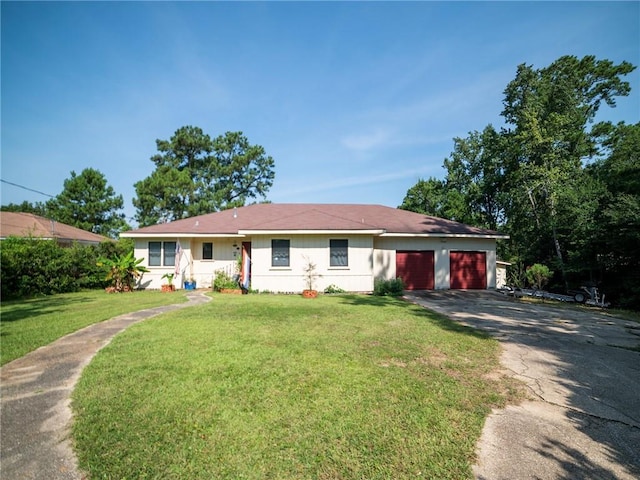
(26,188)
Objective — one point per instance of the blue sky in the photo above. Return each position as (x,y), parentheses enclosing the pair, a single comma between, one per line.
(355,101)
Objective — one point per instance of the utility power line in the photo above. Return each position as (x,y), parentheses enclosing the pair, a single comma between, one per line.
(27,188)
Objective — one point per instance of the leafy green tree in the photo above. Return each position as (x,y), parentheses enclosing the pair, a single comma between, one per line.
(87,202)
(476,172)
(529,179)
(549,110)
(196,174)
(615,240)
(434,197)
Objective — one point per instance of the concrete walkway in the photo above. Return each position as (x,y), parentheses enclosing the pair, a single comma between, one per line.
(35,415)
(582,371)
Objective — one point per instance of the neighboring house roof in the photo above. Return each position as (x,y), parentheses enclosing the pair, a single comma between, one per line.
(269,218)
(15,224)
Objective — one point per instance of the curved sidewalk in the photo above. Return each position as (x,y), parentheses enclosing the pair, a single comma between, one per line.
(35,415)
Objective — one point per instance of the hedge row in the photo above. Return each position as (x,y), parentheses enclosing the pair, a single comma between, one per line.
(32,266)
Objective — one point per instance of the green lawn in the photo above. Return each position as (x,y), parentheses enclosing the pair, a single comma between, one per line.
(281,387)
(28,324)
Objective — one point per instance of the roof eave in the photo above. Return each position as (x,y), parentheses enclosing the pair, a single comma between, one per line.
(497,236)
(180,235)
(312,232)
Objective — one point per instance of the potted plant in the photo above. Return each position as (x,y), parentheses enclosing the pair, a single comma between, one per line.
(310,275)
(169,286)
(224,283)
(190,284)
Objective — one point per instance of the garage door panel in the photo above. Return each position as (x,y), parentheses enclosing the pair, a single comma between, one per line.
(416,269)
(468,270)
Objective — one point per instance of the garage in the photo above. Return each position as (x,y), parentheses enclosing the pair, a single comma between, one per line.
(415,268)
(468,270)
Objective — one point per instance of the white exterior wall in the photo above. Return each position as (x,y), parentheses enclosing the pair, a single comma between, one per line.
(225,255)
(153,278)
(501,274)
(356,277)
(385,255)
(370,258)
(191,263)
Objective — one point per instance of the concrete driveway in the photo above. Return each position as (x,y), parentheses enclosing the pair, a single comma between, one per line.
(582,420)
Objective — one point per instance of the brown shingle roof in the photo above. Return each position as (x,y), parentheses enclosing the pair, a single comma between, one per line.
(312,217)
(16,224)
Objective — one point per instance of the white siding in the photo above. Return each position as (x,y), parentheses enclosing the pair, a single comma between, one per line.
(191,263)
(356,277)
(501,274)
(369,258)
(225,254)
(386,247)
(153,278)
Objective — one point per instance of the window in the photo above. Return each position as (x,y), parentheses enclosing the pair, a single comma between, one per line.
(207,251)
(155,254)
(338,253)
(279,253)
(162,251)
(169,254)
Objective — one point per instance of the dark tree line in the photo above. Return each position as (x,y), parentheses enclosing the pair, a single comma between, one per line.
(566,189)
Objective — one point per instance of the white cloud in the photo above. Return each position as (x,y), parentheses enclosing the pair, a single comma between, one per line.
(367,141)
(353,181)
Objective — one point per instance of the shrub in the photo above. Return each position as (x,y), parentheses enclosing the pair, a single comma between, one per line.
(123,271)
(393,287)
(32,266)
(538,275)
(223,280)
(334,289)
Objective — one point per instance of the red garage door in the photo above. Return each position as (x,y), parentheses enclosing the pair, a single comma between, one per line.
(415,269)
(468,269)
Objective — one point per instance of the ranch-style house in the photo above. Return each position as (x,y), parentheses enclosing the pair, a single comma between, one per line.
(351,246)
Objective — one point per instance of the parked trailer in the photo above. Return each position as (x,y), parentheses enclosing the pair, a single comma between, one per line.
(586,295)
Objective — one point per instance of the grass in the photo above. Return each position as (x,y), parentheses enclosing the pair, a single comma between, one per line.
(280,387)
(28,324)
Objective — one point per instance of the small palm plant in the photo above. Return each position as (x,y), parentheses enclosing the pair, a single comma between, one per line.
(169,286)
(123,271)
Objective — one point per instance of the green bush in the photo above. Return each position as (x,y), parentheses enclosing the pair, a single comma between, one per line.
(123,271)
(32,266)
(334,289)
(392,288)
(223,280)
(538,275)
